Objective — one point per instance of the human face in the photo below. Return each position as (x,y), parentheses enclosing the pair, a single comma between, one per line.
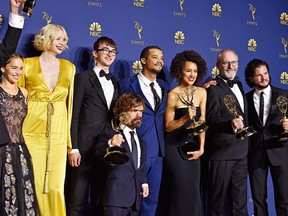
(189,73)
(228,64)
(261,77)
(59,43)
(154,61)
(135,117)
(105,55)
(13,70)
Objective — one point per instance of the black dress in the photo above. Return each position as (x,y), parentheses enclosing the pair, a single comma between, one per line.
(180,187)
(17,192)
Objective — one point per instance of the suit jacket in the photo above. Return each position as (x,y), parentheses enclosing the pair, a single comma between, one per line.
(264,142)
(221,143)
(7,48)
(152,128)
(90,110)
(122,183)
(9,44)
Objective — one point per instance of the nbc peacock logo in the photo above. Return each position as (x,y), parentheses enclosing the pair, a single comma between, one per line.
(47,17)
(284,19)
(95,29)
(214,72)
(252,45)
(284,78)
(179,37)
(137,67)
(139,3)
(216,10)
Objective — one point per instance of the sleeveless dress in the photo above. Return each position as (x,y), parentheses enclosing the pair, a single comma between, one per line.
(17,192)
(180,187)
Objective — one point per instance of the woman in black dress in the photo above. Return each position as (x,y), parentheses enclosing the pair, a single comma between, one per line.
(17,192)
(181,173)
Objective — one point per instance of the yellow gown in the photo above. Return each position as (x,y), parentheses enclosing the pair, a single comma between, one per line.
(46,131)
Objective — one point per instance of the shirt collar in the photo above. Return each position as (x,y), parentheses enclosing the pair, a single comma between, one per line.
(266,91)
(145,80)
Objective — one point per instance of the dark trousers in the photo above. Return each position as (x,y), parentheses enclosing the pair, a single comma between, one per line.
(227,185)
(258,182)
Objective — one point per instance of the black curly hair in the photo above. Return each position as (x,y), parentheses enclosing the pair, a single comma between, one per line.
(250,70)
(178,62)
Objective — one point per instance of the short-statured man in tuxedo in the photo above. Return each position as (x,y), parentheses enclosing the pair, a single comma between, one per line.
(266,152)
(13,33)
(227,157)
(96,91)
(152,129)
(125,184)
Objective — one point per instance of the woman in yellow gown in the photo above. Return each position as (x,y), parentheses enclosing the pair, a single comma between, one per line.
(46,129)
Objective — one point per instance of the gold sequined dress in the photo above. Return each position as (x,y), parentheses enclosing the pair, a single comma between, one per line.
(18,197)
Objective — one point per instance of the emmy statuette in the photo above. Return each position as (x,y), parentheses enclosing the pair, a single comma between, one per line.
(187,98)
(282,103)
(241,134)
(28,6)
(116,155)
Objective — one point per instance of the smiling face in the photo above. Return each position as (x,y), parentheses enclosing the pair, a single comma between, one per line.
(189,73)
(13,70)
(105,55)
(153,62)
(228,64)
(59,43)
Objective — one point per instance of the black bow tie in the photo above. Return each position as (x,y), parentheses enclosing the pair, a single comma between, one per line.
(107,75)
(230,83)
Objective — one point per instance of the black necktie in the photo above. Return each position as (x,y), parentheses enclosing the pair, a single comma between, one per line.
(134,150)
(157,99)
(261,107)
(107,75)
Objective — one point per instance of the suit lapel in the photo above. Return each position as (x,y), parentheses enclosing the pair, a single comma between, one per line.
(135,85)
(254,114)
(97,85)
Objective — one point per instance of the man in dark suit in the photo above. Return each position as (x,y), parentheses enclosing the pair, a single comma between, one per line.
(10,41)
(96,91)
(126,184)
(266,152)
(155,96)
(227,157)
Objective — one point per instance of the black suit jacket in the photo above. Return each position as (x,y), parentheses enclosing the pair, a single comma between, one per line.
(264,142)
(122,183)
(90,111)
(7,48)
(221,143)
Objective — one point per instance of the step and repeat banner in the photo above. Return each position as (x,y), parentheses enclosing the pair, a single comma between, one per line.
(254,29)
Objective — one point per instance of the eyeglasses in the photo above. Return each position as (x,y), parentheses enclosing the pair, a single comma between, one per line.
(234,63)
(106,51)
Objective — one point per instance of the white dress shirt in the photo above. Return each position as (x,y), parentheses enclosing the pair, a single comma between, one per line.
(146,89)
(107,86)
(16,21)
(267,101)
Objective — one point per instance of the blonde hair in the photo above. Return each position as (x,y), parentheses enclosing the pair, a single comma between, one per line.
(47,33)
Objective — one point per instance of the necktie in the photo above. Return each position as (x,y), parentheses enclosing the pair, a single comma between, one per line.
(134,150)
(157,99)
(107,75)
(261,107)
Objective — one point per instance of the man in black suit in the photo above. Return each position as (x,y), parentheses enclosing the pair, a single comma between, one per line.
(10,41)
(266,152)
(227,157)
(124,184)
(96,91)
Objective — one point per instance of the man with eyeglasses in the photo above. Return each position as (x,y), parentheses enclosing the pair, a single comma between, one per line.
(227,157)
(96,91)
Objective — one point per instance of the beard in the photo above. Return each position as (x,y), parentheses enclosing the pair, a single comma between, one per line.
(136,122)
